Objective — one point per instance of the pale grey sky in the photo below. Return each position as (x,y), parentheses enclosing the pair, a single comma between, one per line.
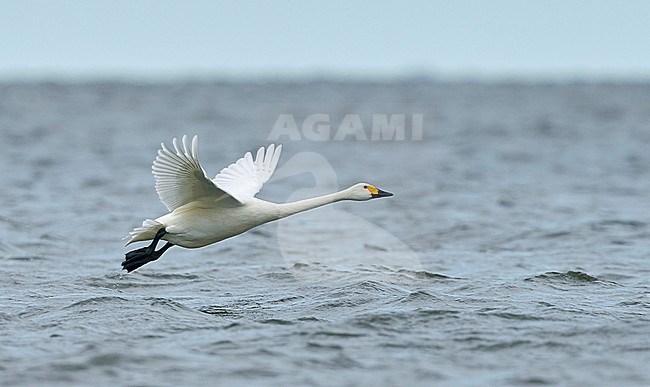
(497,38)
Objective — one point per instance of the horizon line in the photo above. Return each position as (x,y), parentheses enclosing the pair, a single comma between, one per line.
(217,75)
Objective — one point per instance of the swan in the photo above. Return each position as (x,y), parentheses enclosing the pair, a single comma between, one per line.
(204,211)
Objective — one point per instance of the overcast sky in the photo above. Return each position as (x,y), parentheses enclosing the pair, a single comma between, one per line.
(496,38)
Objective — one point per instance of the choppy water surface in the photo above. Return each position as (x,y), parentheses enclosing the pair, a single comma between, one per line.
(515,251)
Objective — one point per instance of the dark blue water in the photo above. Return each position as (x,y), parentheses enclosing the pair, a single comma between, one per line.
(515,251)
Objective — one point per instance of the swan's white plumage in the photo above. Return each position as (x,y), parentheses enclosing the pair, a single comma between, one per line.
(204,211)
(182,183)
(180,179)
(145,232)
(244,179)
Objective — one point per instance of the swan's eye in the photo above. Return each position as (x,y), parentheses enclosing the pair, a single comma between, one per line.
(365,187)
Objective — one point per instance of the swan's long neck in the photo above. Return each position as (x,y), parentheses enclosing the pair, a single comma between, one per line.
(287,209)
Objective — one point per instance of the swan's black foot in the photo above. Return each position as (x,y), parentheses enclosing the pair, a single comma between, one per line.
(142,258)
(136,258)
(137,254)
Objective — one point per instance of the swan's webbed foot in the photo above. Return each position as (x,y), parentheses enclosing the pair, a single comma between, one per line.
(136,254)
(136,258)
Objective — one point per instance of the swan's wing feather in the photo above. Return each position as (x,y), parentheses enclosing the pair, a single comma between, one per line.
(180,179)
(244,179)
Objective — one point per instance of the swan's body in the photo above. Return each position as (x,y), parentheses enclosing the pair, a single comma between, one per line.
(204,211)
(206,221)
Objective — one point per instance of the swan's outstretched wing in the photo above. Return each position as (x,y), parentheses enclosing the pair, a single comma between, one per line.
(244,179)
(180,179)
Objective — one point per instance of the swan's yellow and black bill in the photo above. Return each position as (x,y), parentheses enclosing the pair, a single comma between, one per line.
(376,192)
(381,194)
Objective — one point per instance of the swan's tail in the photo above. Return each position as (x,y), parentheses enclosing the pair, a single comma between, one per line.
(145,232)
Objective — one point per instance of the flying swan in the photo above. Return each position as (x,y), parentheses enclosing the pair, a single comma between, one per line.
(204,211)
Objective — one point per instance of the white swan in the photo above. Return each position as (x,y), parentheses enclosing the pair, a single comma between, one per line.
(204,211)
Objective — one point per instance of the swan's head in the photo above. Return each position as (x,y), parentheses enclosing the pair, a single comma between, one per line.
(365,191)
